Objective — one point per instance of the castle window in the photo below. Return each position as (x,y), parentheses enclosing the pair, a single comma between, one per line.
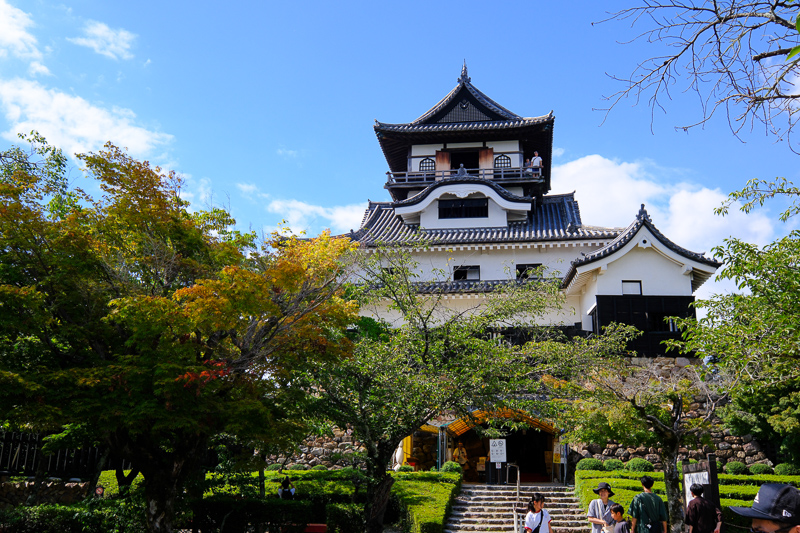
(632,287)
(427,165)
(467,208)
(502,161)
(527,270)
(467,273)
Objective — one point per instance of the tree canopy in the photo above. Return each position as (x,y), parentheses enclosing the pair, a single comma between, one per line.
(153,326)
(739,56)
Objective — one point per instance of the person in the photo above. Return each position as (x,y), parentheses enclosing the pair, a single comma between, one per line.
(621,525)
(460,456)
(701,515)
(537,515)
(528,169)
(286,492)
(776,509)
(648,512)
(600,509)
(536,163)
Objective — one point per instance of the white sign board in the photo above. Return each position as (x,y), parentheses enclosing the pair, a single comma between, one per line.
(497,450)
(701,478)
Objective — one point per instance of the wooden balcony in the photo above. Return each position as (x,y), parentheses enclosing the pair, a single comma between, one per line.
(505,175)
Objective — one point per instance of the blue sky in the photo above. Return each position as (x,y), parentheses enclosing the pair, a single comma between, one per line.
(267,107)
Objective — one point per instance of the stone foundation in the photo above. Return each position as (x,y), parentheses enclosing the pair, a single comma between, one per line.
(14,494)
(726,446)
(333,452)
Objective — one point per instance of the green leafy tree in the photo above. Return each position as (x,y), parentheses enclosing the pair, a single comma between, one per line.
(152,327)
(427,357)
(754,336)
(636,404)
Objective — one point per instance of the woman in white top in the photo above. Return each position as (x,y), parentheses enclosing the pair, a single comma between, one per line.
(537,520)
(600,509)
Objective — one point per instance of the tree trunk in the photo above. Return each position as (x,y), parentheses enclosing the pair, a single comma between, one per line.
(377,501)
(160,494)
(672,483)
(124,482)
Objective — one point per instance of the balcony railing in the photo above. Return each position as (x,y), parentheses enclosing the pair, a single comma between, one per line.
(497,174)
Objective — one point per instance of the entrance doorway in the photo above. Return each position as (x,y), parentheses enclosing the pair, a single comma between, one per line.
(530,449)
(468,159)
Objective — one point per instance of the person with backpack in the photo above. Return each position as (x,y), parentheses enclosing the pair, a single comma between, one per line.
(648,512)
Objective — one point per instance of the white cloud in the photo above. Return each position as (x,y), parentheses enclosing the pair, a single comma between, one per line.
(111,43)
(14,37)
(301,216)
(286,153)
(70,122)
(248,189)
(558,152)
(36,69)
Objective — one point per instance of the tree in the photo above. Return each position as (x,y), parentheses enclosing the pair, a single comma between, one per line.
(739,56)
(754,336)
(153,327)
(430,358)
(634,403)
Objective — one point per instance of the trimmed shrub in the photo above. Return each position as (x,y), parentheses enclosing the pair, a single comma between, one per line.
(760,469)
(735,468)
(298,467)
(274,466)
(319,467)
(451,466)
(424,507)
(587,463)
(786,469)
(613,464)
(59,518)
(345,518)
(238,513)
(637,464)
(406,468)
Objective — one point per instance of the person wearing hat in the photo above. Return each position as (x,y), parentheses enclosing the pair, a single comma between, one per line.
(600,509)
(776,509)
(702,516)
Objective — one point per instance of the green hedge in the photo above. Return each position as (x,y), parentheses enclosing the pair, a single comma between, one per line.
(424,499)
(344,518)
(236,514)
(63,518)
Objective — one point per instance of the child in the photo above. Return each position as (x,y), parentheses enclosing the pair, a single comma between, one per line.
(617,512)
(537,516)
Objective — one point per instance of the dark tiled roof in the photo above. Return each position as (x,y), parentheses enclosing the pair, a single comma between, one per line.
(642,220)
(557,218)
(447,182)
(462,286)
(463,126)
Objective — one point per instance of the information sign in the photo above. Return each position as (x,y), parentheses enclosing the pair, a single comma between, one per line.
(497,450)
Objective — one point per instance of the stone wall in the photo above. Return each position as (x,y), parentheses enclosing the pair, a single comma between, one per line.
(333,452)
(13,494)
(727,446)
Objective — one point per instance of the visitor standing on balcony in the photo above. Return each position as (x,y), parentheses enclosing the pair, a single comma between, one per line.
(536,163)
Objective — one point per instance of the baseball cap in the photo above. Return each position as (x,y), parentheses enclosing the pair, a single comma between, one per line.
(776,502)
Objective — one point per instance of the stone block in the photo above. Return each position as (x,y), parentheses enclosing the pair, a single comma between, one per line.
(747,438)
(653,458)
(317,451)
(752,448)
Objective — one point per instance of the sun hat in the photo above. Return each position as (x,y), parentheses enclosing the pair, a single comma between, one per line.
(776,502)
(604,485)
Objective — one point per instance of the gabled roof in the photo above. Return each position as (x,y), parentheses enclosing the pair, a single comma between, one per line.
(627,235)
(466,114)
(556,218)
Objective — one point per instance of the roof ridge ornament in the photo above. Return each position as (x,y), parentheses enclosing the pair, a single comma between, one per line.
(464,76)
(642,214)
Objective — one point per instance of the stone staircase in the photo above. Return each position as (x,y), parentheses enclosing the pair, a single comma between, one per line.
(489,508)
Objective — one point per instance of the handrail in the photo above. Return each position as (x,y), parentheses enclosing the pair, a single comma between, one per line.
(485,173)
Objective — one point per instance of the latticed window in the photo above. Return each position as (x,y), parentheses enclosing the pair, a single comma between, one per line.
(502,161)
(427,165)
